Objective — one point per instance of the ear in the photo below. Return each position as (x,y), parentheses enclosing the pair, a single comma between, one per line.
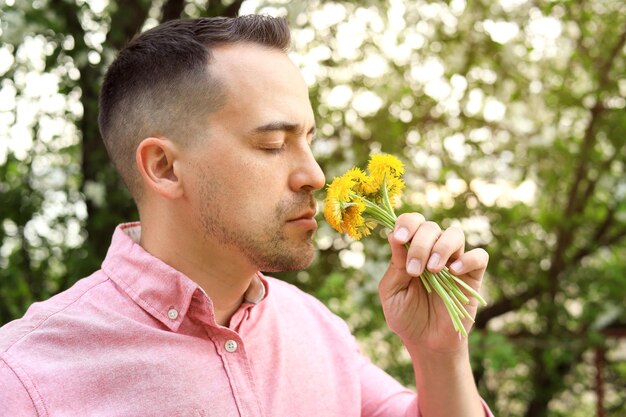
(158,164)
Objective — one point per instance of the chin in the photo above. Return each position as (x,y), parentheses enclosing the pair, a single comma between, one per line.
(300,259)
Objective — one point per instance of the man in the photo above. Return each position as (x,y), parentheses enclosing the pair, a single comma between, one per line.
(209,123)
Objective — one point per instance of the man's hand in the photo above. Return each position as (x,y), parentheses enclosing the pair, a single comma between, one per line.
(421,319)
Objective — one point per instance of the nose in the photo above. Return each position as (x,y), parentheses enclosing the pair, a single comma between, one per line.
(306,174)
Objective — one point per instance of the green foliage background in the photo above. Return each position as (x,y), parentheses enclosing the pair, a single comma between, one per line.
(510,116)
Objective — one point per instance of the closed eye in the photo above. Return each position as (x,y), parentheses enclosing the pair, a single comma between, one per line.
(274,149)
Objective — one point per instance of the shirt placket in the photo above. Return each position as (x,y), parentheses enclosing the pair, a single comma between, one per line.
(231,349)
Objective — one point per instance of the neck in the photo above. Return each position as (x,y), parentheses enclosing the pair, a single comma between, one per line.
(219,271)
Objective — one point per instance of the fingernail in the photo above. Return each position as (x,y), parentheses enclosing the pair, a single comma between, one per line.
(414,267)
(402,234)
(456,265)
(434,260)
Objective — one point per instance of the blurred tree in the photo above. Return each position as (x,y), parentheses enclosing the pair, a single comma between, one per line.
(510,117)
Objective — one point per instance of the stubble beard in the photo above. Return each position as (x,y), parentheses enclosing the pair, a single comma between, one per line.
(270,249)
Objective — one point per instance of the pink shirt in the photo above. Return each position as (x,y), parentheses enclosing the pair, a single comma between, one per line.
(138,338)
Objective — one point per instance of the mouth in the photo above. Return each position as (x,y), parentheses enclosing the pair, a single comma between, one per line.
(309,214)
(305,219)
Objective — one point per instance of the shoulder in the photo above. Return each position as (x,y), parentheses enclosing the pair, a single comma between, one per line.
(43,337)
(43,316)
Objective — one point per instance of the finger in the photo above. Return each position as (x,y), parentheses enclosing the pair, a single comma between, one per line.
(406,226)
(450,245)
(396,277)
(421,246)
(471,264)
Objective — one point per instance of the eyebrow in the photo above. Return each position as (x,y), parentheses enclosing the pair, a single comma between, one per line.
(282,127)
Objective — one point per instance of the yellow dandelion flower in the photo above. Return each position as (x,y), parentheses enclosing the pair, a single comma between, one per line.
(384,165)
(363,183)
(386,169)
(338,194)
(395,186)
(344,205)
(353,222)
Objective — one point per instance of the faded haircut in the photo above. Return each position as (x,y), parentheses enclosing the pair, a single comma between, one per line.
(161,84)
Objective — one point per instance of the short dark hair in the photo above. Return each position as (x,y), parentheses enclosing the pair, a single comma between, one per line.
(160,83)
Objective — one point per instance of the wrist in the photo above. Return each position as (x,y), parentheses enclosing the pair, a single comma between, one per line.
(451,349)
(429,364)
(445,382)
(439,357)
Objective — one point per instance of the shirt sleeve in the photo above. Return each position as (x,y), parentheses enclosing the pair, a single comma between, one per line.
(383,396)
(14,397)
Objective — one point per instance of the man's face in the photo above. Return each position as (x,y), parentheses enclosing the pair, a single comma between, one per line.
(254,175)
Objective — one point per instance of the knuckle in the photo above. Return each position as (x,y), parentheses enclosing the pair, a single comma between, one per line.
(444,247)
(402,217)
(452,238)
(485,257)
(456,230)
(481,257)
(419,249)
(419,217)
(431,225)
(410,221)
(483,254)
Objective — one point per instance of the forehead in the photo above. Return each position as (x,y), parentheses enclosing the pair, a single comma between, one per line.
(261,83)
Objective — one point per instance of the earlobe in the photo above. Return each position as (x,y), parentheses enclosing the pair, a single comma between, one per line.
(157,163)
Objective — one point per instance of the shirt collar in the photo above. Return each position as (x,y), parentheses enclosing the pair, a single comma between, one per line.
(155,286)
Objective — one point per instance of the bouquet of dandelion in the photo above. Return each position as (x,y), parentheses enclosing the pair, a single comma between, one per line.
(357,201)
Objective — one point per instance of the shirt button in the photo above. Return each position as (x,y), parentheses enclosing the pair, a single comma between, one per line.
(230,346)
(172,314)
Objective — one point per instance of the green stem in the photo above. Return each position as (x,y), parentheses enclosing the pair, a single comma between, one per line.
(452,312)
(469,289)
(385,198)
(379,213)
(449,283)
(461,308)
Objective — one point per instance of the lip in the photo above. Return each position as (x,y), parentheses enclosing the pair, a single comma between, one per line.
(309,214)
(305,220)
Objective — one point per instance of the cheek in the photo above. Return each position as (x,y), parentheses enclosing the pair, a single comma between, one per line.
(252,181)
(266,180)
